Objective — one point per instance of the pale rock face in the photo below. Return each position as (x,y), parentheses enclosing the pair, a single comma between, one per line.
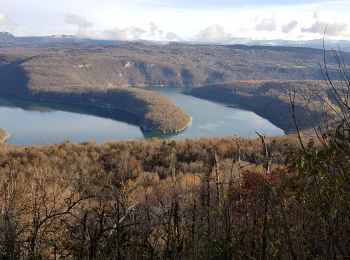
(4,136)
(128,64)
(81,66)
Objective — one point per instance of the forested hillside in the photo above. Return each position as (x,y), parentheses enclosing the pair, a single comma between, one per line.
(69,68)
(212,198)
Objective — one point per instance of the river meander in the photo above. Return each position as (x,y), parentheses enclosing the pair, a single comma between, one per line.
(32,123)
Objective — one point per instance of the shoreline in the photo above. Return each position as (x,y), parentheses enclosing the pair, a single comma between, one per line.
(176,131)
(89,99)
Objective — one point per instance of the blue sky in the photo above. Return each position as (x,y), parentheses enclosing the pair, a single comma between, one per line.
(222,21)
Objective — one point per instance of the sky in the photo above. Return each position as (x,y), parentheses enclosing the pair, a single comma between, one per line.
(217,21)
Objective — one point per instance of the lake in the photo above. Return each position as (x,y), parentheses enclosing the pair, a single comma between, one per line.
(32,123)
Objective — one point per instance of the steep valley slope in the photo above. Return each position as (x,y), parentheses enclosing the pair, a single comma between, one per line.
(255,77)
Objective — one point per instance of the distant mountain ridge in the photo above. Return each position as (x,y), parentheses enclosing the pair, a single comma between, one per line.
(76,67)
(62,38)
(6,36)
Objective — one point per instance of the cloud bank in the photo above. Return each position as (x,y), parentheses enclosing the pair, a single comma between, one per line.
(287,28)
(77,20)
(170,36)
(333,29)
(85,29)
(125,34)
(166,20)
(266,24)
(6,22)
(154,30)
(213,33)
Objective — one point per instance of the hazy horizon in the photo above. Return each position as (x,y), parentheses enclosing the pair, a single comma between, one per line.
(205,21)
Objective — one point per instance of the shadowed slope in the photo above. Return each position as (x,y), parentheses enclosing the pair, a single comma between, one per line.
(156,112)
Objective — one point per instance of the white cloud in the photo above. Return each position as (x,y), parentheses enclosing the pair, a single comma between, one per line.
(154,30)
(213,33)
(126,34)
(288,27)
(120,19)
(6,22)
(266,24)
(77,20)
(333,29)
(170,36)
(86,30)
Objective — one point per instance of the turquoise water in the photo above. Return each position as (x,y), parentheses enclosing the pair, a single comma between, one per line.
(38,123)
(217,119)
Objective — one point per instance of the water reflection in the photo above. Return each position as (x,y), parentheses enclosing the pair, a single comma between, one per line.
(211,119)
(31,122)
(46,107)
